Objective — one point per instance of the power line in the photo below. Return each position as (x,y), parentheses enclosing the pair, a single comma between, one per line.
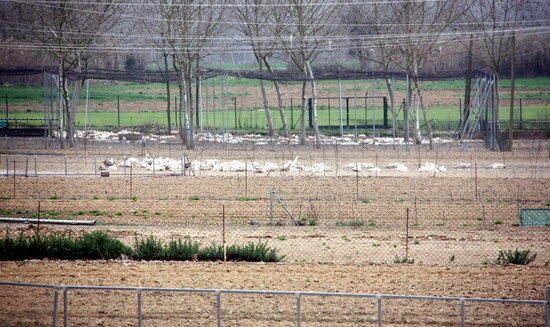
(209,50)
(222,5)
(83,34)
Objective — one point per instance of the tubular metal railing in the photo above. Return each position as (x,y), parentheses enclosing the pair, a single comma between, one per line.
(298,296)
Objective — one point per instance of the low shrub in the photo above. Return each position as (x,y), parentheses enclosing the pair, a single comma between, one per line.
(99,245)
(148,248)
(515,257)
(351,223)
(252,252)
(178,250)
(92,245)
(213,252)
(405,260)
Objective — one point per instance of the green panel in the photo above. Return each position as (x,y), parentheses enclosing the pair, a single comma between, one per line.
(534,217)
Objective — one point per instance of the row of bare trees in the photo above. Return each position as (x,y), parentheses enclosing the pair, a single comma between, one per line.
(388,36)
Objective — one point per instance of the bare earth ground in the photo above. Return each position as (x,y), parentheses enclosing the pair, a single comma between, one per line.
(118,308)
(451,233)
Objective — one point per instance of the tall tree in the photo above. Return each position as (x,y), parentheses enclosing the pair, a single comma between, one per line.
(187,27)
(71,32)
(496,21)
(306,30)
(256,20)
(371,22)
(420,26)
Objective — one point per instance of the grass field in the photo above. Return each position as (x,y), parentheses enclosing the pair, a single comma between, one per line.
(135,92)
(144,103)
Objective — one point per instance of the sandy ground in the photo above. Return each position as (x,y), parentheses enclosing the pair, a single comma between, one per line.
(118,308)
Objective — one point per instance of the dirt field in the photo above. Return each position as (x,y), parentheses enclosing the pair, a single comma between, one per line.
(118,308)
(457,225)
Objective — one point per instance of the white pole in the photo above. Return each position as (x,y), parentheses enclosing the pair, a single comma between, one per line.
(200,103)
(340,104)
(86,111)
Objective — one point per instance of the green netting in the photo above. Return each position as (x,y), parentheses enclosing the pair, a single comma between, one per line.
(534,217)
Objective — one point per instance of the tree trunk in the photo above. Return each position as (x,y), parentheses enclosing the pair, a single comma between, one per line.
(71,123)
(303,137)
(168,97)
(314,106)
(406,110)
(468,88)
(182,106)
(66,106)
(267,112)
(497,105)
(417,134)
(424,113)
(191,137)
(391,94)
(61,91)
(198,101)
(279,101)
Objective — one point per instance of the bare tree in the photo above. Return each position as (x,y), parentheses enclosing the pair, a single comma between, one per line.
(496,21)
(187,27)
(70,31)
(421,25)
(307,29)
(257,21)
(371,22)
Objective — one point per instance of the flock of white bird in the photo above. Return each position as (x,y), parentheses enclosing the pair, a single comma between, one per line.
(257,139)
(169,164)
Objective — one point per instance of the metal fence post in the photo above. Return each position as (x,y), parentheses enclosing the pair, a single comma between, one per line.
(118,110)
(154,171)
(462,313)
(55,300)
(298,309)
(65,307)
(218,308)
(547,308)
(65,162)
(139,312)
(379,310)
(7,166)
(271,207)
(182,166)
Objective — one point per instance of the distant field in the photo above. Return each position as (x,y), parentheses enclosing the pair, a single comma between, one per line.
(145,103)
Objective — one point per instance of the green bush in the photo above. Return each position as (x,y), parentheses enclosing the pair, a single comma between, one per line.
(212,252)
(148,248)
(178,250)
(253,252)
(515,257)
(93,245)
(99,245)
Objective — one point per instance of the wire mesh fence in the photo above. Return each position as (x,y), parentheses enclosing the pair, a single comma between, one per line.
(354,204)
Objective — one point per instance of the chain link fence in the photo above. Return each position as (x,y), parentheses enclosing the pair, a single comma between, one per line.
(341,204)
